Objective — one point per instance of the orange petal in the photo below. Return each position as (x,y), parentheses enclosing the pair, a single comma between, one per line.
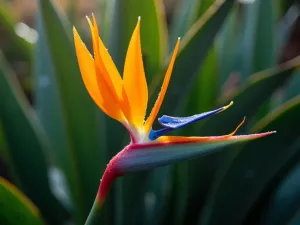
(103,74)
(114,79)
(111,69)
(88,73)
(157,105)
(134,80)
(181,139)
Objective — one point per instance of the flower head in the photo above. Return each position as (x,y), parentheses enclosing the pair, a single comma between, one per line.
(125,99)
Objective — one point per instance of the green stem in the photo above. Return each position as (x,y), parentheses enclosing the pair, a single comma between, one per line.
(94,213)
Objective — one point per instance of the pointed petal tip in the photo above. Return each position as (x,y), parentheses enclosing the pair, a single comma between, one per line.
(227,106)
(138,25)
(161,95)
(252,136)
(270,132)
(259,135)
(94,18)
(134,80)
(89,20)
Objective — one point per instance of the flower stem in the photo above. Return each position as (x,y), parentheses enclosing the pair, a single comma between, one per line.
(94,213)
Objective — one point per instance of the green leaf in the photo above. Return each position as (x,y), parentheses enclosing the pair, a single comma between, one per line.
(48,106)
(16,48)
(284,5)
(261,209)
(153,32)
(84,156)
(295,220)
(27,146)
(7,158)
(292,88)
(252,167)
(255,44)
(263,55)
(16,208)
(194,48)
(286,200)
(202,99)
(285,30)
(205,90)
(251,96)
(185,15)
(226,45)
(246,102)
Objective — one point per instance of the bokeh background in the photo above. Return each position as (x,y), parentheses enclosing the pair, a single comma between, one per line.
(55,143)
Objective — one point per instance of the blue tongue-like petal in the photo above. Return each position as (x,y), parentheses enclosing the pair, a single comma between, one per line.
(170,123)
(177,122)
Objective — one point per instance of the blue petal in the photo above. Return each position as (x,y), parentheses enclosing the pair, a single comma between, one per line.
(177,122)
(170,123)
(154,134)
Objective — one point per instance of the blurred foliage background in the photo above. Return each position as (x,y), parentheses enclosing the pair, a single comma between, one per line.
(55,143)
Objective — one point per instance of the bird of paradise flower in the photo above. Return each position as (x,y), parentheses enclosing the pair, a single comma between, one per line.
(125,100)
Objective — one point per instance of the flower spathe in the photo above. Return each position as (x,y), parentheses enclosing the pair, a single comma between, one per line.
(125,100)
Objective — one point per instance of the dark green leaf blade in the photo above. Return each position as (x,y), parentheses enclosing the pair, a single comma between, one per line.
(246,102)
(235,190)
(80,114)
(16,208)
(286,200)
(27,146)
(16,48)
(153,32)
(194,48)
(251,96)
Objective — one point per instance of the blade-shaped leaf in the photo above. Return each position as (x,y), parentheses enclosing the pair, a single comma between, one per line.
(285,29)
(16,208)
(284,5)
(10,172)
(185,15)
(202,99)
(254,165)
(246,103)
(286,200)
(27,146)
(292,88)
(226,45)
(195,46)
(251,96)
(295,220)
(263,209)
(80,115)
(15,48)
(48,106)
(153,32)
(251,47)
(263,55)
